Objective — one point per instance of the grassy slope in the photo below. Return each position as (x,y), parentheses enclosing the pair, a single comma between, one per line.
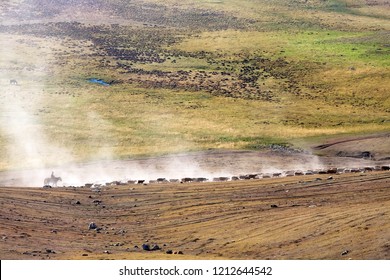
(335,80)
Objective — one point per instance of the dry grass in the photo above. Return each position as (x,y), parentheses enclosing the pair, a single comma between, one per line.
(339,78)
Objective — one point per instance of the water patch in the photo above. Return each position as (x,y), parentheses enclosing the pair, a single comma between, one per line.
(98,81)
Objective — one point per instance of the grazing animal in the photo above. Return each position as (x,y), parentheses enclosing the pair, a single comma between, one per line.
(174,180)
(162,180)
(52,180)
(187,180)
(13,82)
(201,179)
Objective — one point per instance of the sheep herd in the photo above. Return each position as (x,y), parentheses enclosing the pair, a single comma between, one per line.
(252,176)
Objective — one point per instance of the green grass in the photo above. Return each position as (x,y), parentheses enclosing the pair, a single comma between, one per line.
(324,80)
(335,47)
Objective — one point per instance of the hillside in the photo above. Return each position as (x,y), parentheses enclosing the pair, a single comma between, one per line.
(302,217)
(183,76)
(220,129)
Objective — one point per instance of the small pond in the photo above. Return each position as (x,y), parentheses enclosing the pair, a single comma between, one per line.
(98,81)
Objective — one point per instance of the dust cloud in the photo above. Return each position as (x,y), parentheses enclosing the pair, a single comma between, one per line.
(29,154)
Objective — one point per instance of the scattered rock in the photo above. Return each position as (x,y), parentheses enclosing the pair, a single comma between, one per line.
(274,206)
(98,229)
(345,252)
(120,232)
(146,247)
(366,155)
(169,252)
(92,225)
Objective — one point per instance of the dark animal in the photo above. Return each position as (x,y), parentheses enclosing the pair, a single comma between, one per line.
(162,180)
(187,180)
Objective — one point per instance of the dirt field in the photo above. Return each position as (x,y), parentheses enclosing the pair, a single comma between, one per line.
(328,216)
(211,90)
(345,152)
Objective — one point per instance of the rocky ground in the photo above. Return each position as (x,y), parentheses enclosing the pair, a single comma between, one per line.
(302,217)
(319,216)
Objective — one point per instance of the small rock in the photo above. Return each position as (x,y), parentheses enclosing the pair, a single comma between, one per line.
(121,232)
(84,255)
(345,252)
(146,247)
(155,248)
(178,253)
(169,252)
(274,206)
(98,229)
(92,225)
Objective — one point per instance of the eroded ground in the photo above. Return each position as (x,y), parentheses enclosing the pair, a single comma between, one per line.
(302,217)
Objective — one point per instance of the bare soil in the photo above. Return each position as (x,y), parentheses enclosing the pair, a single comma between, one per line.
(376,145)
(299,217)
(341,152)
(329,216)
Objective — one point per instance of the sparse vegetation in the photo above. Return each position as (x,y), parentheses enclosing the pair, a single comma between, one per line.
(275,78)
(194,76)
